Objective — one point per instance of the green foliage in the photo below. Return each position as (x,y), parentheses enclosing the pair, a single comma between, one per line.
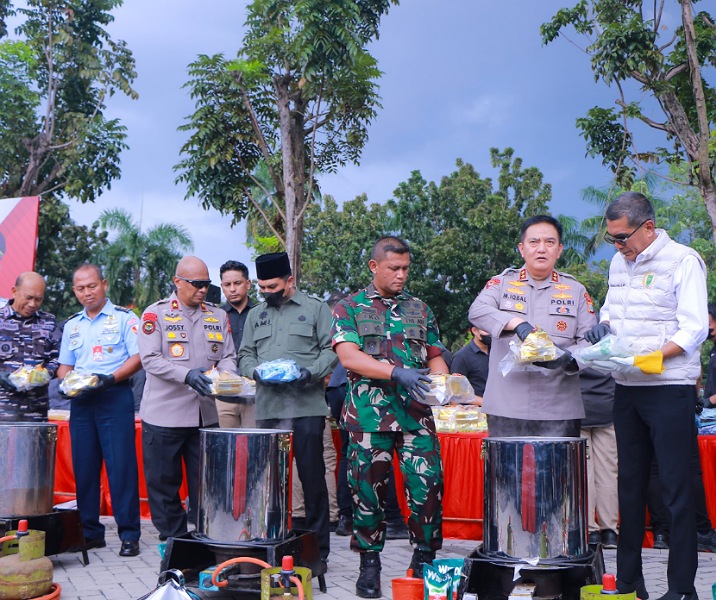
(54,82)
(59,255)
(630,41)
(461,232)
(138,265)
(298,98)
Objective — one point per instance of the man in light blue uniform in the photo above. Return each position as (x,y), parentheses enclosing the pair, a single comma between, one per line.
(102,340)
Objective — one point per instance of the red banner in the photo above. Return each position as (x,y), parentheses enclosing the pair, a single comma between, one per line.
(18,239)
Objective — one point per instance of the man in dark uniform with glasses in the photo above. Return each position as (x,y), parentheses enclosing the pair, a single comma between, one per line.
(181,337)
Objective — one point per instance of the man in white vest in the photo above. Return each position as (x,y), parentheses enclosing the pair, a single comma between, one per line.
(657,302)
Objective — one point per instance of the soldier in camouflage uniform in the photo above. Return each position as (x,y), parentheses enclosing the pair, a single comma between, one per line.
(388,341)
(28,336)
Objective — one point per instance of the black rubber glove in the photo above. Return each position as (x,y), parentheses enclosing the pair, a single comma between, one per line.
(260,380)
(6,383)
(566,362)
(103,382)
(196,380)
(597,332)
(523,330)
(415,381)
(303,379)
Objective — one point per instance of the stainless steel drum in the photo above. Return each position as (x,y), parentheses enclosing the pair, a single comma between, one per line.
(243,484)
(535,497)
(27,468)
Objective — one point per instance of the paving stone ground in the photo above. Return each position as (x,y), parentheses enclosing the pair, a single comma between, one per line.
(115,578)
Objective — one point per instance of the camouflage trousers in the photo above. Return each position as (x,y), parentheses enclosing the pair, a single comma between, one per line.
(369,462)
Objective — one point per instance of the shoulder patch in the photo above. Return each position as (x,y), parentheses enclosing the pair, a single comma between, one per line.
(493,282)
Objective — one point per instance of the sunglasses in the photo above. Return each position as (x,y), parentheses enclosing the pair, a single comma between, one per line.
(621,238)
(197,283)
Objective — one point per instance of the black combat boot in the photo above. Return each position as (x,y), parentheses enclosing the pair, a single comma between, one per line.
(419,560)
(368,584)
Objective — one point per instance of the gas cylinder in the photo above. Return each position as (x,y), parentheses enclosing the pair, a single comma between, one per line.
(25,571)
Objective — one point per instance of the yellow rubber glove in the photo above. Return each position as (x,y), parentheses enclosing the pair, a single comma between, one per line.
(650,364)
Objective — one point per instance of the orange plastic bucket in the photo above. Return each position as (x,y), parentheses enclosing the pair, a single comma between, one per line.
(407,588)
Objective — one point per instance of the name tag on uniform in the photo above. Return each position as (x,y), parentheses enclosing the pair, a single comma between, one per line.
(97,353)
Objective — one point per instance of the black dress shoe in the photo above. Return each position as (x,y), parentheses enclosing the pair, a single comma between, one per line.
(129,548)
(90,544)
(609,538)
(594,538)
(397,530)
(345,525)
(707,541)
(661,541)
(639,587)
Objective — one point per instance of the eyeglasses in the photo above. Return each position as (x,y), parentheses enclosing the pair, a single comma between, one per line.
(621,238)
(197,283)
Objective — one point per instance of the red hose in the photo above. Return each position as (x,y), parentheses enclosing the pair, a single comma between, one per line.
(255,561)
(55,591)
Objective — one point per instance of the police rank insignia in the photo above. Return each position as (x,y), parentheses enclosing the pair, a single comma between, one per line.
(176,350)
(561,326)
(175,304)
(516,283)
(520,306)
(211,320)
(590,302)
(562,286)
(514,290)
(148,327)
(172,319)
(561,296)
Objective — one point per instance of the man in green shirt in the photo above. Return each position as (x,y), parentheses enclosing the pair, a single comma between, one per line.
(290,325)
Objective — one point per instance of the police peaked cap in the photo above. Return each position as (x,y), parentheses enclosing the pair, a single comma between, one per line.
(270,266)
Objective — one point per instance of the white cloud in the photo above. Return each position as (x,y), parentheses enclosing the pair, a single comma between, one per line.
(490,110)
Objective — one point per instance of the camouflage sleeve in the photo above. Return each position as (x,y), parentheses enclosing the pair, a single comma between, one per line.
(326,359)
(52,355)
(344,324)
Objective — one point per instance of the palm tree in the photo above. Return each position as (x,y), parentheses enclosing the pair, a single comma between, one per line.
(139,265)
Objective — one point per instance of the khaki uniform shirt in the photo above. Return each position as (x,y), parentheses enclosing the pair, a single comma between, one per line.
(562,307)
(173,340)
(299,329)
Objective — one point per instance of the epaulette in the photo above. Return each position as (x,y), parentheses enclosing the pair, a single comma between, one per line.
(77,314)
(508,270)
(123,308)
(562,274)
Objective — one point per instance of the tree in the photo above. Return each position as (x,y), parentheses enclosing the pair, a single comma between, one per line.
(299,97)
(59,255)
(139,266)
(633,43)
(54,138)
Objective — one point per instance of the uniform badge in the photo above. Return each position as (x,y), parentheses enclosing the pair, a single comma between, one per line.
(148,327)
(97,353)
(175,304)
(520,306)
(171,335)
(110,349)
(590,302)
(648,280)
(150,316)
(508,304)
(514,290)
(516,283)
(133,321)
(203,307)
(211,320)
(134,329)
(563,310)
(214,348)
(555,277)
(302,318)
(561,325)
(176,350)
(220,337)
(562,286)
(172,319)
(210,335)
(492,282)
(523,274)
(561,296)
(110,320)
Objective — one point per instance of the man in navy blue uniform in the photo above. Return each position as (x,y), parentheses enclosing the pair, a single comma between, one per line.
(102,340)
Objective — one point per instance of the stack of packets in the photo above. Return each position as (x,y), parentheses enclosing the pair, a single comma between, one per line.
(76,382)
(280,370)
(27,377)
(459,418)
(537,347)
(442,578)
(445,389)
(597,356)
(229,383)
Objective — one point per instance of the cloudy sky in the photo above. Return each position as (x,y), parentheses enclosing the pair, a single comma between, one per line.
(459,77)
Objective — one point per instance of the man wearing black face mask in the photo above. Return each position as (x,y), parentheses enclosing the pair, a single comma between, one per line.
(290,325)
(472,361)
